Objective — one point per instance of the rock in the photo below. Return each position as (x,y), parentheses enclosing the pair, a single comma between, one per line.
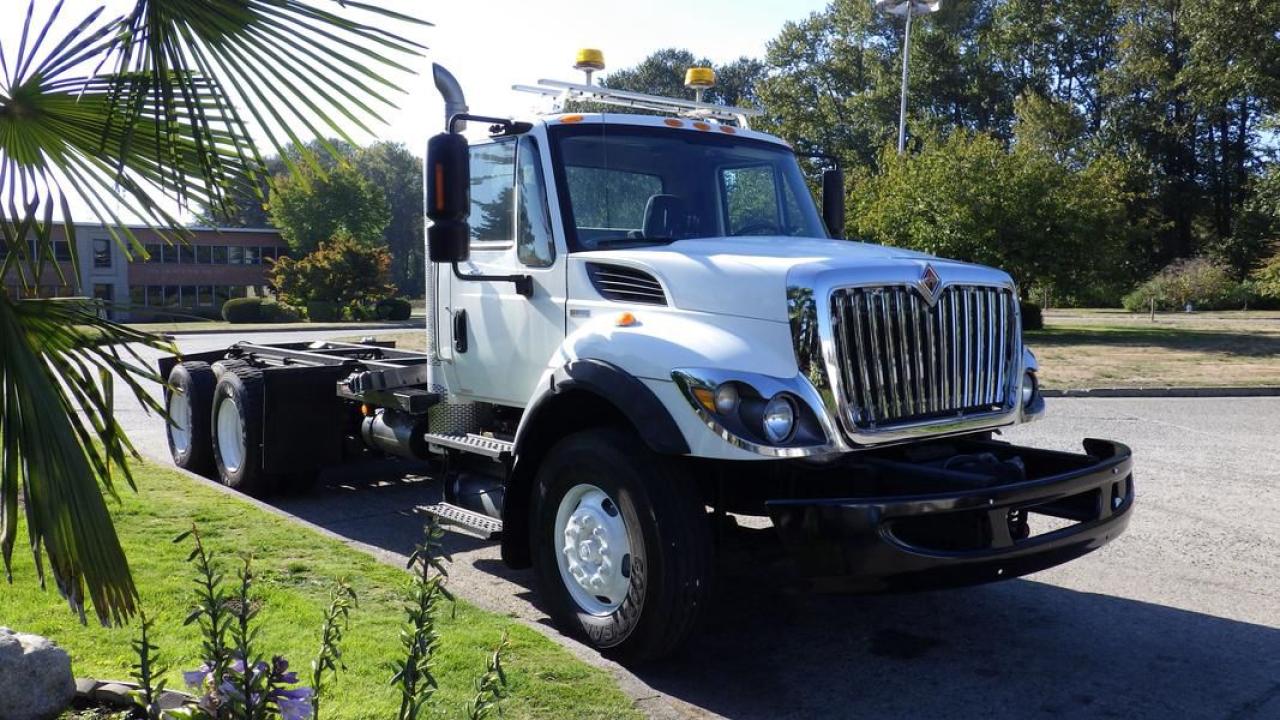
(84,687)
(172,700)
(114,693)
(35,677)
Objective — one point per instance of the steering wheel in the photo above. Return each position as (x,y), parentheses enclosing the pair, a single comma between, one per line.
(755,228)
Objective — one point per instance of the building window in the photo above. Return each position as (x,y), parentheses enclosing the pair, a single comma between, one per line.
(221,293)
(137,296)
(235,255)
(171,296)
(268,253)
(155,252)
(186,254)
(104,292)
(202,254)
(155,296)
(218,254)
(62,251)
(204,296)
(252,256)
(239,291)
(101,253)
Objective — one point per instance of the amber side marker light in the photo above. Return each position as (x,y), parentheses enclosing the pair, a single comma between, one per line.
(626,319)
(705,398)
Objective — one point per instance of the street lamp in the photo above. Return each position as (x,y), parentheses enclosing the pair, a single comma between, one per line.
(909,9)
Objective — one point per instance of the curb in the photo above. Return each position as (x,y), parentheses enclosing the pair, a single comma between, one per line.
(1163,392)
(293,327)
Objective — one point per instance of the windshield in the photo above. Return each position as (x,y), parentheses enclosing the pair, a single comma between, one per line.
(626,185)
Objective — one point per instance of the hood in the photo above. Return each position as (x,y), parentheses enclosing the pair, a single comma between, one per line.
(748,276)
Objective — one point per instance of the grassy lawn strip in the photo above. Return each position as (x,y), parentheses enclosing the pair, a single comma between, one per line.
(1096,349)
(296,569)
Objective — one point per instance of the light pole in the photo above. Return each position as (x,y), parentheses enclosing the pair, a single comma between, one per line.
(909,9)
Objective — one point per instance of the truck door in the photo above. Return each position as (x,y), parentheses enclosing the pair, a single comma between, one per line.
(500,341)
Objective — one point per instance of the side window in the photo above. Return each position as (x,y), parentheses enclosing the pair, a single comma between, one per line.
(101,253)
(751,200)
(493,192)
(534,243)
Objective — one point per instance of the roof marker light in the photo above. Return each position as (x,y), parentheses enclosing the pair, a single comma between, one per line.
(673,122)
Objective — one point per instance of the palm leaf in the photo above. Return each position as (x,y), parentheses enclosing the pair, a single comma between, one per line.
(160,123)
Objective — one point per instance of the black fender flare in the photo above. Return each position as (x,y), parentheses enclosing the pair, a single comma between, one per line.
(620,389)
(607,385)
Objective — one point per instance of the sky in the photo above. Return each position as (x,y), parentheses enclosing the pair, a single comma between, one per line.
(491,44)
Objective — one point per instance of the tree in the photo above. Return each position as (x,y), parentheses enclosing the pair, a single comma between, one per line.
(342,270)
(398,173)
(309,207)
(662,73)
(969,198)
(130,115)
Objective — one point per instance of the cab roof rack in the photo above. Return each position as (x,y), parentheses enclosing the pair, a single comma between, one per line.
(565,91)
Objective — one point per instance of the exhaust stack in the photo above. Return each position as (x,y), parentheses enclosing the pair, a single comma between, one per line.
(454,101)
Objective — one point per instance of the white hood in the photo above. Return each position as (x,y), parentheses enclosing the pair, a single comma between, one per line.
(748,276)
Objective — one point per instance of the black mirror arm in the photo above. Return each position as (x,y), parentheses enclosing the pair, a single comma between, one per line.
(523,283)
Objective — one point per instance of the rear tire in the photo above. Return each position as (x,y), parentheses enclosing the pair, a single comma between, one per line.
(236,431)
(188,398)
(621,545)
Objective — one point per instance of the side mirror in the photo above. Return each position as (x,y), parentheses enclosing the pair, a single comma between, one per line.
(833,201)
(448,200)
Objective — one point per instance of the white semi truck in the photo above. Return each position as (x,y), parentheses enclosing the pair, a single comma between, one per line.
(638,324)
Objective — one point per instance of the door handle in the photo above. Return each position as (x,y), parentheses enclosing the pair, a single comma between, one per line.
(460,331)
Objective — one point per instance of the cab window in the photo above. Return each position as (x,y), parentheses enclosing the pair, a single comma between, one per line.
(535,245)
(492,194)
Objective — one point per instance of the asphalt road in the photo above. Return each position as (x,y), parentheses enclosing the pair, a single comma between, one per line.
(1179,618)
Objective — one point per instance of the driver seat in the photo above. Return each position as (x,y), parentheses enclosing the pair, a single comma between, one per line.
(664,216)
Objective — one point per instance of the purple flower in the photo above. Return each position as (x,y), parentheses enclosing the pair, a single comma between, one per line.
(195,678)
(293,704)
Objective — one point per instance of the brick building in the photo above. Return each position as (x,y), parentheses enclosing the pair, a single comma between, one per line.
(195,279)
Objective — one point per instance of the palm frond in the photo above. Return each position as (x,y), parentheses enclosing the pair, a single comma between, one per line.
(162,120)
(297,69)
(60,439)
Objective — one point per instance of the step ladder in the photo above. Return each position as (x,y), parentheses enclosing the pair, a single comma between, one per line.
(467,522)
(460,519)
(490,447)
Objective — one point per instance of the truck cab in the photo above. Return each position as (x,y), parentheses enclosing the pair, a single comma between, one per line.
(639,324)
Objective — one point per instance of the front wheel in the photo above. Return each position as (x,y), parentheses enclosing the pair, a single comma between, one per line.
(187,399)
(622,550)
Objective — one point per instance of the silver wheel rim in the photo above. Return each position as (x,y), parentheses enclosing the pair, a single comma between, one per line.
(593,550)
(230,435)
(179,421)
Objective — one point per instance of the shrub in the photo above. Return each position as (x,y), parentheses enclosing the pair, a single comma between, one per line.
(274,311)
(394,309)
(259,310)
(342,271)
(1032,316)
(1266,278)
(242,310)
(1201,282)
(322,311)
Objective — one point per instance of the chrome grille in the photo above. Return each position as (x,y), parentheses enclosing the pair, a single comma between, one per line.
(902,360)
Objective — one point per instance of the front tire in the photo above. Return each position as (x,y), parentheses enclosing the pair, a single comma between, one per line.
(621,546)
(187,401)
(237,431)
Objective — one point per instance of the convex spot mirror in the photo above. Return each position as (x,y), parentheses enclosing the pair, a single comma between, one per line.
(448,200)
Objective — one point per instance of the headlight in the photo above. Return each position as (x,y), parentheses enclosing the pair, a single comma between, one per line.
(726,398)
(779,419)
(1028,388)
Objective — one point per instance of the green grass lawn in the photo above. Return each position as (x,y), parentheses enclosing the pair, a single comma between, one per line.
(296,569)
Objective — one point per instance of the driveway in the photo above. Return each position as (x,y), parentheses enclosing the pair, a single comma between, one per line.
(1179,618)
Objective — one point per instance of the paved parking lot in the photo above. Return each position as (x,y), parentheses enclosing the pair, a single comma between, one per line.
(1179,618)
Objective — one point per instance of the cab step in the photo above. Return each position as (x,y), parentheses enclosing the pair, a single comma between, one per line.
(485,445)
(467,522)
